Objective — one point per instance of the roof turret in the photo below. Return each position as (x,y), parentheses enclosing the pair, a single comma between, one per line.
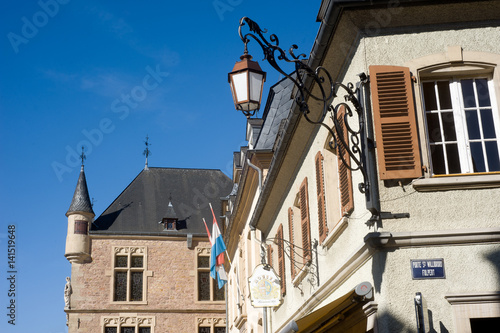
(170,214)
(81,200)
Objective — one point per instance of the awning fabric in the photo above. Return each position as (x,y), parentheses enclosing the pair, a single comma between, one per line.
(326,317)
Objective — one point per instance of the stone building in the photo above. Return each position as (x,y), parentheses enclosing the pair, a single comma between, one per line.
(419,250)
(143,265)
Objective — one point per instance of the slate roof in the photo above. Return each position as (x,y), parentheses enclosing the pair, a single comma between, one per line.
(81,200)
(143,204)
(275,112)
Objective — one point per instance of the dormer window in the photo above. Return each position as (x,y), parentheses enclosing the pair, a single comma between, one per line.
(170,224)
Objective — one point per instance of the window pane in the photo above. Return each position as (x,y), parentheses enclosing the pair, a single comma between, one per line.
(479,325)
(204,286)
(472,125)
(453,158)
(483,94)
(203,329)
(144,330)
(488,124)
(437,160)
(220,330)
(468,93)
(137,261)
(204,261)
(136,286)
(127,330)
(121,261)
(218,293)
(476,149)
(448,126)
(492,155)
(444,95)
(433,126)
(120,286)
(429,96)
(110,330)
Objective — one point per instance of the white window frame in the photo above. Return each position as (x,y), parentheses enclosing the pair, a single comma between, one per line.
(453,62)
(459,117)
(473,306)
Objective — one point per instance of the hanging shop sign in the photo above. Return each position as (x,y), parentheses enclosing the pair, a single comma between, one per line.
(265,287)
(427,269)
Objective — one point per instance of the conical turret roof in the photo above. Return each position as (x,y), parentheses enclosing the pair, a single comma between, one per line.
(81,200)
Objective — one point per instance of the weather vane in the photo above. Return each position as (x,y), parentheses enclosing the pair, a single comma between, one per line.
(82,156)
(147,152)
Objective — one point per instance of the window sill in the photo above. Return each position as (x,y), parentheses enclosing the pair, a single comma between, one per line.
(301,275)
(131,302)
(210,302)
(336,232)
(457,183)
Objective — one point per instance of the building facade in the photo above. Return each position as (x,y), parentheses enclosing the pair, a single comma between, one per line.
(143,266)
(419,250)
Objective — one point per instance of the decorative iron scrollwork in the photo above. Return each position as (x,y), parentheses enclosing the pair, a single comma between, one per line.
(328,91)
(311,254)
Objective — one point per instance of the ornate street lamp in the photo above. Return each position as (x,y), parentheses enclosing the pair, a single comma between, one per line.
(245,98)
(247,81)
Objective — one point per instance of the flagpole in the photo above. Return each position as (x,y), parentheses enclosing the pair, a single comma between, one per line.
(227,254)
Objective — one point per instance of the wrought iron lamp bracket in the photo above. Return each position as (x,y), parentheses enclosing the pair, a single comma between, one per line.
(312,264)
(328,91)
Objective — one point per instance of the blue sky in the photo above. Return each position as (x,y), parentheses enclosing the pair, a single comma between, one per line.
(105,75)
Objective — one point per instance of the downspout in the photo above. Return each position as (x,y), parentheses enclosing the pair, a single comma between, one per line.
(259,171)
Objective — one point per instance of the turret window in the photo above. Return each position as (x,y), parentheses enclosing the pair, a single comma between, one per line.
(81,227)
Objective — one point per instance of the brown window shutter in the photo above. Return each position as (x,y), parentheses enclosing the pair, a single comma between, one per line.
(320,191)
(395,123)
(292,250)
(305,222)
(281,258)
(345,175)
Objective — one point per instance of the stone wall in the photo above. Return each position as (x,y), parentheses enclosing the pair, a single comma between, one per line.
(170,294)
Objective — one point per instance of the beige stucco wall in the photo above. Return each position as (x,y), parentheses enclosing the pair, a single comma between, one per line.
(469,268)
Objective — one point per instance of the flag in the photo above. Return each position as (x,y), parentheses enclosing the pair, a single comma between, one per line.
(217,252)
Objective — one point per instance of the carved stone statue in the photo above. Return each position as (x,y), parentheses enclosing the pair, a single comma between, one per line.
(67,293)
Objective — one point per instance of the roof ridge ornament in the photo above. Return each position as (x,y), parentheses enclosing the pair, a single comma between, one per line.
(146,152)
(83,157)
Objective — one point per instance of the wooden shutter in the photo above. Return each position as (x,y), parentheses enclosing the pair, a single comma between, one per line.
(395,123)
(292,248)
(281,259)
(305,222)
(345,175)
(320,191)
